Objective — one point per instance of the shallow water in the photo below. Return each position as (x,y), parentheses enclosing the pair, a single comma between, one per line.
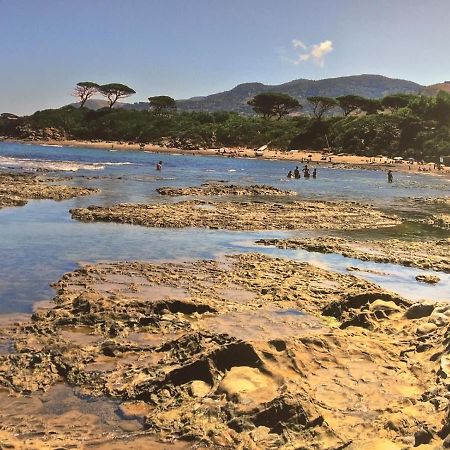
(39,242)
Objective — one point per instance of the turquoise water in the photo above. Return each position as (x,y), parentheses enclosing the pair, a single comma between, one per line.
(39,242)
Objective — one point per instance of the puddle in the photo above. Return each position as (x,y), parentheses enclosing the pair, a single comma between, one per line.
(6,346)
(237,295)
(290,312)
(80,335)
(264,324)
(152,339)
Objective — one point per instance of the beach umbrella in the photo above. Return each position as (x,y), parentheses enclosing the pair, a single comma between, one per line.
(397,158)
(263,147)
(411,159)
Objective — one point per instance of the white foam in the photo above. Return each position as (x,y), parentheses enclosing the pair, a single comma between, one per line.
(34,164)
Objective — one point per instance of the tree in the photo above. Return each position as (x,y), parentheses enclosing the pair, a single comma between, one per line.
(396,101)
(114,91)
(271,104)
(370,105)
(321,105)
(85,90)
(349,103)
(162,104)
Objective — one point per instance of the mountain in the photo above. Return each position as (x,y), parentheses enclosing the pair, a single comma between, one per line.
(371,86)
(435,88)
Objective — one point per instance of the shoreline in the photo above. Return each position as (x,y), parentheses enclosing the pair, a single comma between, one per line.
(346,161)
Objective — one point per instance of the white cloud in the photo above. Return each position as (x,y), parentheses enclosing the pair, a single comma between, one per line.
(315,53)
(298,44)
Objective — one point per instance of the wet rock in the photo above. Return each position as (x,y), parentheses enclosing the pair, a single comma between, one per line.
(134,410)
(241,215)
(16,189)
(175,370)
(430,279)
(422,437)
(419,310)
(431,254)
(217,189)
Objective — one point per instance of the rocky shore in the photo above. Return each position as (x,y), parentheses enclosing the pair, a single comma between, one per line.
(17,188)
(307,215)
(249,352)
(219,189)
(434,255)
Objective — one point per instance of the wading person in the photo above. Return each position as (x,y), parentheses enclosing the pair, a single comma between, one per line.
(390,176)
(296,173)
(159,165)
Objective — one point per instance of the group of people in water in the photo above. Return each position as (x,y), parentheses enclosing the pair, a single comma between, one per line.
(305,170)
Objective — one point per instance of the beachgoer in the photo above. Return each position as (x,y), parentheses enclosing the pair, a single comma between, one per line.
(296,173)
(159,165)
(390,176)
(315,173)
(305,170)
(290,174)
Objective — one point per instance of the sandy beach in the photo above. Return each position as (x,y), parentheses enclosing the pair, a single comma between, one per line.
(314,158)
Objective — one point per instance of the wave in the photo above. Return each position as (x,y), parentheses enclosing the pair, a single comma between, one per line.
(42,164)
(125,163)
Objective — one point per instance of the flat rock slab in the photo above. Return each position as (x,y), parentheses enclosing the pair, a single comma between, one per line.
(219,189)
(297,215)
(16,189)
(433,254)
(329,360)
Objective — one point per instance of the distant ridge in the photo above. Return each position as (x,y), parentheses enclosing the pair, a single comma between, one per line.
(435,88)
(370,86)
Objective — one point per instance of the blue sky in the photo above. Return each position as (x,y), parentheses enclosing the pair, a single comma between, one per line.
(185,48)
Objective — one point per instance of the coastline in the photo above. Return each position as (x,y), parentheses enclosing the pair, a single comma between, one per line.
(297,156)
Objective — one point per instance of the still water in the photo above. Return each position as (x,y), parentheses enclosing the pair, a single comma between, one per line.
(39,242)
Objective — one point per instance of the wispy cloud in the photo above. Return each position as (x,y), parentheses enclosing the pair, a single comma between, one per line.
(315,53)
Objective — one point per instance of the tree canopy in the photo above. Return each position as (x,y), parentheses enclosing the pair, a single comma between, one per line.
(115,91)
(274,104)
(162,104)
(321,105)
(396,101)
(349,103)
(85,90)
(370,105)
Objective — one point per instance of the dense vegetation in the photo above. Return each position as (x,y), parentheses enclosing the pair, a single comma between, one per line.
(408,126)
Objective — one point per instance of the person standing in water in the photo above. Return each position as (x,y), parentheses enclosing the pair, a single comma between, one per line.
(390,176)
(290,174)
(296,173)
(159,165)
(314,173)
(306,173)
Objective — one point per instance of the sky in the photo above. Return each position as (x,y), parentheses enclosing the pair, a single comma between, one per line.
(186,48)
